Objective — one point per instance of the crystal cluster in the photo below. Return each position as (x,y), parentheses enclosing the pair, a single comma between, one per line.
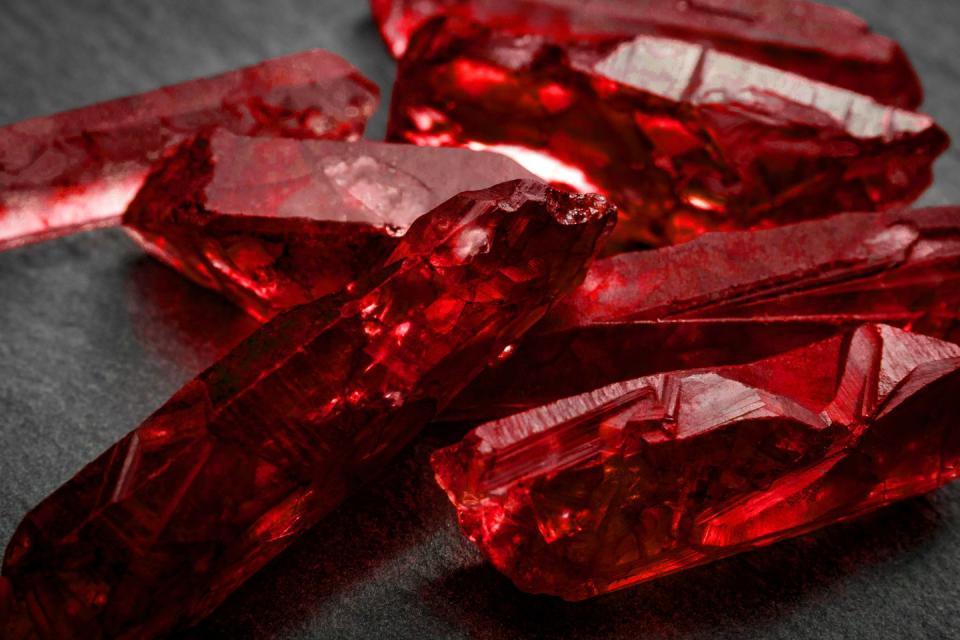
(820,42)
(729,298)
(647,412)
(654,475)
(685,138)
(79,169)
(274,223)
(158,530)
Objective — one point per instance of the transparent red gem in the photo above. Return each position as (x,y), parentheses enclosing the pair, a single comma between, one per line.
(273,223)
(731,298)
(820,42)
(684,138)
(655,475)
(79,169)
(158,530)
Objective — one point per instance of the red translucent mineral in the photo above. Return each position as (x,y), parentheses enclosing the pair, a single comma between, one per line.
(685,138)
(79,169)
(654,475)
(157,531)
(273,223)
(820,42)
(732,298)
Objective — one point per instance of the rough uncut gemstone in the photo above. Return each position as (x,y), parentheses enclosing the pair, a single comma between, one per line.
(820,42)
(651,476)
(158,530)
(685,139)
(79,169)
(275,223)
(732,298)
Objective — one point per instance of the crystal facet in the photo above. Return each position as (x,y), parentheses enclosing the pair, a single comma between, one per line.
(731,298)
(274,223)
(654,475)
(158,530)
(820,42)
(684,138)
(79,169)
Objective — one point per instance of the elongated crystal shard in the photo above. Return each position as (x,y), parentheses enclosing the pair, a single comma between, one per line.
(157,531)
(79,169)
(730,298)
(274,223)
(655,475)
(683,137)
(820,42)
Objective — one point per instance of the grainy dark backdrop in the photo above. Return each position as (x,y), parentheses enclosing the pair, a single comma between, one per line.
(94,337)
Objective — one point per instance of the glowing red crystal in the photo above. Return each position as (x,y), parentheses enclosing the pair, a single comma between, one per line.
(731,298)
(814,40)
(654,475)
(274,223)
(157,531)
(79,169)
(684,138)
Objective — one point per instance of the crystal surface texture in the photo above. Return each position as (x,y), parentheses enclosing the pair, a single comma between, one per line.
(682,137)
(658,474)
(273,223)
(80,169)
(731,298)
(157,531)
(813,40)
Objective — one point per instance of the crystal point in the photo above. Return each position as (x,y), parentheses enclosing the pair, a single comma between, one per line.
(814,40)
(79,169)
(730,298)
(654,475)
(683,137)
(158,530)
(274,223)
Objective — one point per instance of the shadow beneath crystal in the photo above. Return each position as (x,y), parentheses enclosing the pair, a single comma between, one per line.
(179,321)
(733,596)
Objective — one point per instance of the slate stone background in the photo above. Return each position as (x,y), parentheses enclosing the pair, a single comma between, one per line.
(94,337)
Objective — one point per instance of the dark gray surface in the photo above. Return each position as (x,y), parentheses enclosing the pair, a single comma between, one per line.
(93,337)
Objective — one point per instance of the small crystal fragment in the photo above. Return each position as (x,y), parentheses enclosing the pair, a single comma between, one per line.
(274,223)
(79,169)
(654,475)
(156,532)
(820,42)
(731,298)
(684,138)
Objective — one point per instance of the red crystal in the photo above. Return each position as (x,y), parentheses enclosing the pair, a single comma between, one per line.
(820,42)
(79,169)
(732,298)
(658,474)
(685,139)
(275,223)
(157,531)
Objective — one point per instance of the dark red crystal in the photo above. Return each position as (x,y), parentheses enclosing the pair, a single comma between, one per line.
(684,138)
(274,223)
(655,475)
(731,298)
(79,169)
(820,42)
(162,527)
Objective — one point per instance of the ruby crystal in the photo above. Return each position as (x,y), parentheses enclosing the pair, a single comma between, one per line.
(274,223)
(162,527)
(685,138)
(820,42)
(732,298)
(658,474)
(79,169)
